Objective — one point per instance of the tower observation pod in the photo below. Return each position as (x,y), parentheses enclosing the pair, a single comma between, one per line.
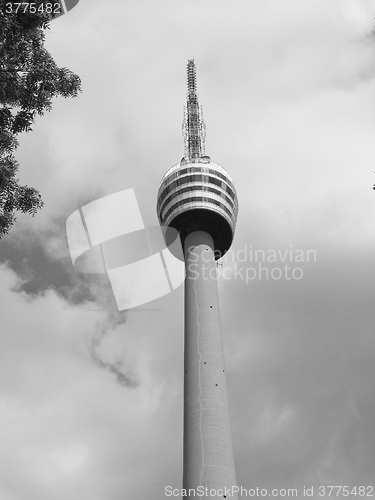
(197,197)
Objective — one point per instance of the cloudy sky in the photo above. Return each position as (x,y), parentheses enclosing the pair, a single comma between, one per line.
(91,398)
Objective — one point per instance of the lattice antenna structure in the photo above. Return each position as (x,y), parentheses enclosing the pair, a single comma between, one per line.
(193,126)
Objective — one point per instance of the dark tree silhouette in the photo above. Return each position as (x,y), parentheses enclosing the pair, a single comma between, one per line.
(29,80)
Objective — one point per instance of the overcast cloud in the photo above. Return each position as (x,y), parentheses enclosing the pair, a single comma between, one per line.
(90,398)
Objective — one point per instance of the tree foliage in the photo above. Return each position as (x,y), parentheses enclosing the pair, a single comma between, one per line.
(29,80)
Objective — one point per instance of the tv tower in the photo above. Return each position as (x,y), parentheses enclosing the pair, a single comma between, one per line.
(198,199)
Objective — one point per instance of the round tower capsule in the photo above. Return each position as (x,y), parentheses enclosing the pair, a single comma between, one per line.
(199,196)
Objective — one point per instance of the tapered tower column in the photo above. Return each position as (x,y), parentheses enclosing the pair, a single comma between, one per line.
(197,198)
(208,451)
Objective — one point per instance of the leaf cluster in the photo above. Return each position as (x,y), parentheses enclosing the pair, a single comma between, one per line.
(29,80)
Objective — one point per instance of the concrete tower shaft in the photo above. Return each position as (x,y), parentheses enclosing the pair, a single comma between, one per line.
(208,450)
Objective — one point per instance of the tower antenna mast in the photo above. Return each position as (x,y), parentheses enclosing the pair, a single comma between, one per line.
(194,129)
